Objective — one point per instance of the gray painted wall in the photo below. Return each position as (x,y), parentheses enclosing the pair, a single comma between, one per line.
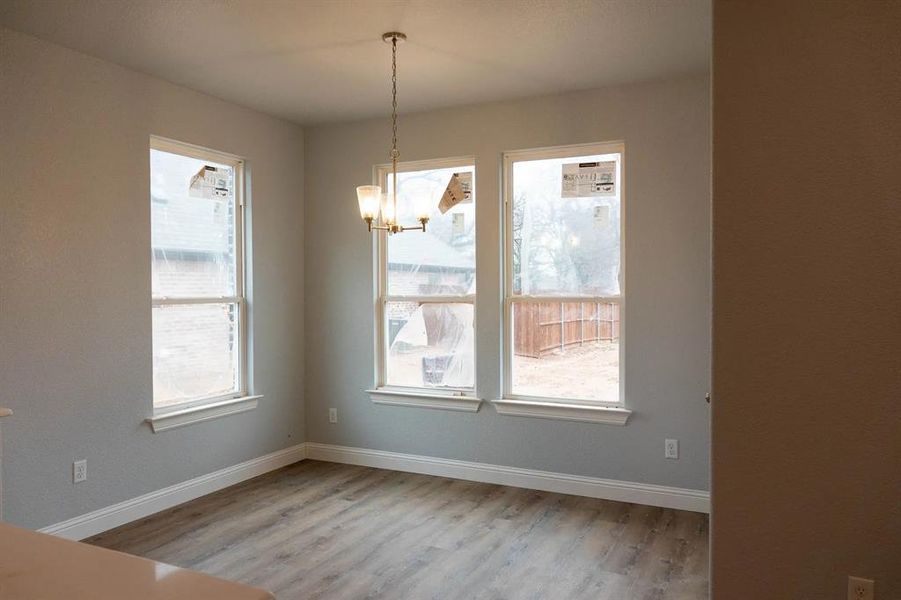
(665,126)
(75,355)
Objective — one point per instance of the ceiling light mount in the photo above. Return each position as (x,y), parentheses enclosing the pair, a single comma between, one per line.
(393,36)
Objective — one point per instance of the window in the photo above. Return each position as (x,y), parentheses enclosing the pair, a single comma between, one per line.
(199,342)
(427,285)
(563,257)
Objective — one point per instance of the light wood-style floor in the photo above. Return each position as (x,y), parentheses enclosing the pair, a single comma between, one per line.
(324,530)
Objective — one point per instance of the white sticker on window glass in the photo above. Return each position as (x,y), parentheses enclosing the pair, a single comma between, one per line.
(589,179)
(458,191)
(210,182)
(459,224)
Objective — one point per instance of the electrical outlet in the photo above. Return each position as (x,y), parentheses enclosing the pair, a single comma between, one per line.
(861,589)
(79,471)
(333,415)
(671,449)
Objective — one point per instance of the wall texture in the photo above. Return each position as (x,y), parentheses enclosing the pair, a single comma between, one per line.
(667,352)
(75,323)
(807,290)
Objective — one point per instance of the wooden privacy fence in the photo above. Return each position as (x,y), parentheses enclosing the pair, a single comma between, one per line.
(541,327)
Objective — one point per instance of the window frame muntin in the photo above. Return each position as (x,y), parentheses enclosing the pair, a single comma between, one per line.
(242,384)
(507,341)
(380,173)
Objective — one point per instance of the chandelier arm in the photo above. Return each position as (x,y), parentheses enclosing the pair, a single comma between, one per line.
(420,227)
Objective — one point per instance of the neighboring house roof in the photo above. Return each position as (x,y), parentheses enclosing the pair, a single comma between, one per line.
(424,251)
(199,225)
(190,224)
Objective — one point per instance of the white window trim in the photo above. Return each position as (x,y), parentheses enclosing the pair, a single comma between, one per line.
(569,409)
(405,397)
(204,409)
(572,411)
(445,398)
(210,409)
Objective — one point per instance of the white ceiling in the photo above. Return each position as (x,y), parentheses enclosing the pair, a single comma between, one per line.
(312,61)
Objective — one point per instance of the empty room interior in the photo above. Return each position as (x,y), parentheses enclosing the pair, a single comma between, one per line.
(450,299)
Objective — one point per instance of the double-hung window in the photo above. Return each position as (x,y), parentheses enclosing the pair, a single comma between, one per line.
(198,304)
(427,287)
(564,277)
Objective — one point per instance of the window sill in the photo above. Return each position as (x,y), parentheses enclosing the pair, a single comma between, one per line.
(587,413)
(205,412)
(425,400)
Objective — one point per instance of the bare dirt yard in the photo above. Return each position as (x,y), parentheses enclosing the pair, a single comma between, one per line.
(589,372)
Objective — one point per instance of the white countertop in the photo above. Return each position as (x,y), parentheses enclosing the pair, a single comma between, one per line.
(36,565)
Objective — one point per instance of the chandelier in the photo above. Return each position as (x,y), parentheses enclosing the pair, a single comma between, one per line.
(370,197)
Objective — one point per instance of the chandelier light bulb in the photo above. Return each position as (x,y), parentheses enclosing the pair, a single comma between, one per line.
(388,216)
(422,207)
(368,198)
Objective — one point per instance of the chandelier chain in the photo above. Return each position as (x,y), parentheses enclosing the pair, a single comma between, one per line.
(394,153)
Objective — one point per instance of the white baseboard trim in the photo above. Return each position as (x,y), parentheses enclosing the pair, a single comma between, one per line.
(593,487)
(104,519)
